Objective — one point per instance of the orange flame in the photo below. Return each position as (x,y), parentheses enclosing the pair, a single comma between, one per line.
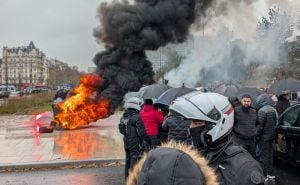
(82,107)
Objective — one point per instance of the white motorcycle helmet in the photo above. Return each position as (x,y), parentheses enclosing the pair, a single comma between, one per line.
(212,108)
(134,103)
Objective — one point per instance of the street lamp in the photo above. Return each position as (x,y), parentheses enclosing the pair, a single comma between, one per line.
(6,71)
(160,67)
(30,73)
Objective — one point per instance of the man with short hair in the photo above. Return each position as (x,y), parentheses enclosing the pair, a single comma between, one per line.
(245,121)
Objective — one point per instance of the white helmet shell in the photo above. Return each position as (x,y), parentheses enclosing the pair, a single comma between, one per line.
(210,107)
(133,103)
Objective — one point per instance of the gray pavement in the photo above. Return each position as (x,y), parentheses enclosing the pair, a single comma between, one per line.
(21,145)
(89,176)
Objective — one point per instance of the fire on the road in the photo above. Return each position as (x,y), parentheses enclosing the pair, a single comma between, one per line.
(83,106)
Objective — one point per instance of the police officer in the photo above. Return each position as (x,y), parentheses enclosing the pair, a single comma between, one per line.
(135,137)
(212,119)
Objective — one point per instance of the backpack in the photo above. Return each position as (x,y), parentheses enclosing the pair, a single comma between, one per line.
(123,125)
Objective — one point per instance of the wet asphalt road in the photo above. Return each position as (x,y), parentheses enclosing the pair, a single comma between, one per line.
(288,175)
(90,176)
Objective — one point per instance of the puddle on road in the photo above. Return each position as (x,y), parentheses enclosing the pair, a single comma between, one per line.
(97,140)
(81,145)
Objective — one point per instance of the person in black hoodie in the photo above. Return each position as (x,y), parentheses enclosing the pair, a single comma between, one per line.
(283,103)
(234,101)
(267,119)
(135,137)
(172,164)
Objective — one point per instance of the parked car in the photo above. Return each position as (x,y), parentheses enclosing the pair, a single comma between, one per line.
(4,94)
(287,145)
(14,95)
(4,90)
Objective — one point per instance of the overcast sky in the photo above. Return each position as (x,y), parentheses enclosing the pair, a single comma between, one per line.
(60,28)
(63,28)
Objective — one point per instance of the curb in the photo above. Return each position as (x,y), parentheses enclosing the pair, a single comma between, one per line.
(74,164)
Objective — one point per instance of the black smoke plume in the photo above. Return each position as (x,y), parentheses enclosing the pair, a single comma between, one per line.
(127,30)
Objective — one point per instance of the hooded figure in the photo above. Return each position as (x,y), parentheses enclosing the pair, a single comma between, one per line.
(283,103)
(234,101)
(172,164)
(267,119)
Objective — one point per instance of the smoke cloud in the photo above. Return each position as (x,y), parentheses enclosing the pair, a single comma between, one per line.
(224,54)
(206,11)
(213,59)
(127,30)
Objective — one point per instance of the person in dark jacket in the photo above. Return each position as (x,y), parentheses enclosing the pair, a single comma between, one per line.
(234,101)
(267,119)
(211,117)
(135,137)
(245,122)
(283,103)
(177,127)
(152,119)
(172,164)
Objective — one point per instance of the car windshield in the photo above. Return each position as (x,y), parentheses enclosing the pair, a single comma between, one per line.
(291,117)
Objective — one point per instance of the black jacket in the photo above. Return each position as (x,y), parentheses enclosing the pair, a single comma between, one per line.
(245,122)
(177,128)
(282,104)
(267,119)
(133,129)
(235,166)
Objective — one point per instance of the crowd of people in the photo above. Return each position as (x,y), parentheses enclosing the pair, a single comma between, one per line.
(255,130)
(235,139)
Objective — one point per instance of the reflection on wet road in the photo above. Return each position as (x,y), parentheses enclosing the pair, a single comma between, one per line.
(81,145)
(92,176)
(20,143)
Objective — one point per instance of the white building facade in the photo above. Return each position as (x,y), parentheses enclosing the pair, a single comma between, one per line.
(24,65)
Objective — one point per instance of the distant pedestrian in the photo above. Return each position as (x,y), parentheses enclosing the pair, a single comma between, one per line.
(267,119)
(152,119)
(135,137)
(245,122)
(234,101)
(283,103)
